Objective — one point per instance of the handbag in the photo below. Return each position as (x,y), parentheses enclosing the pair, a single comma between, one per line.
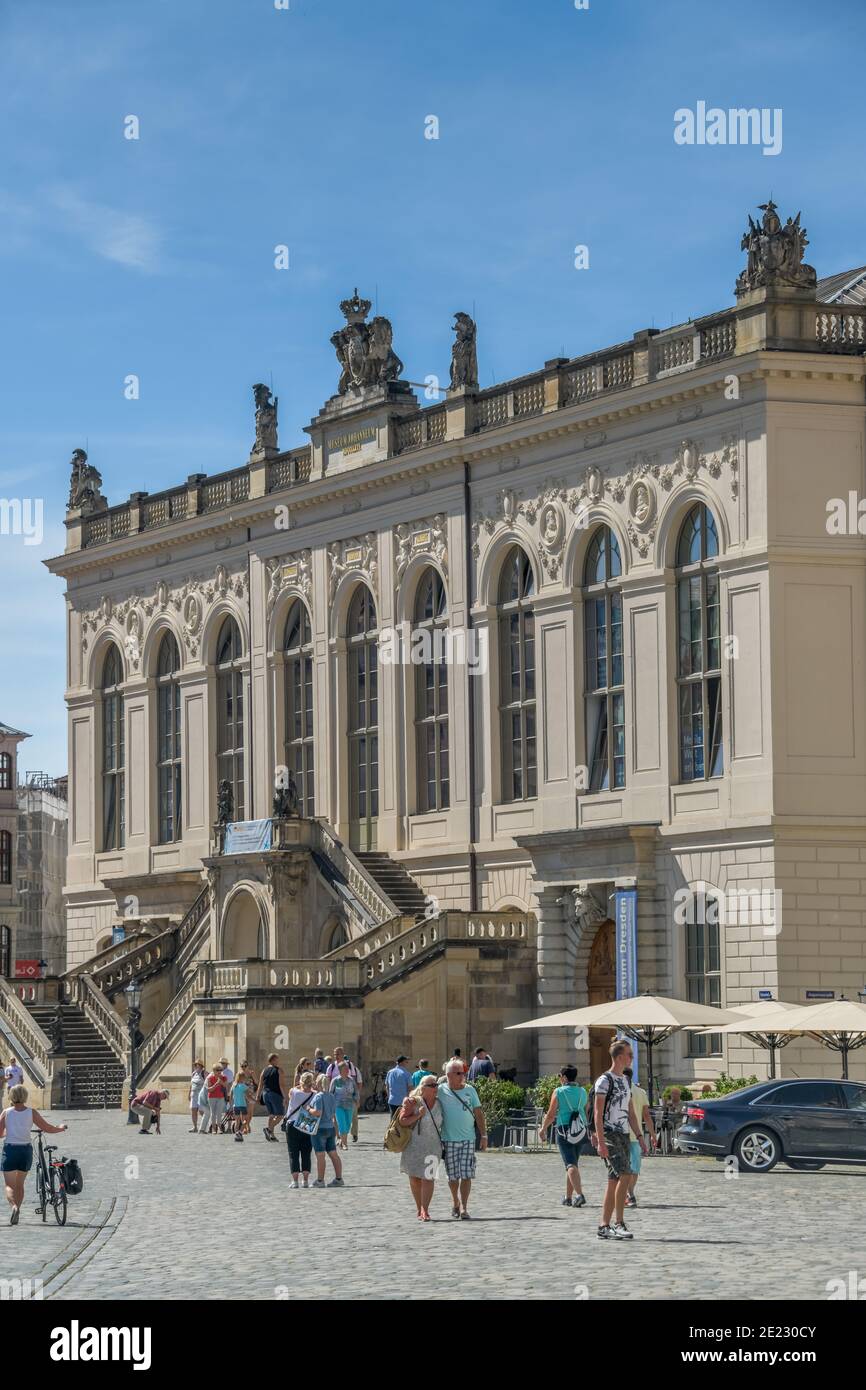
(287,1118)
(397,1135)
(307,1122)
(73,1176)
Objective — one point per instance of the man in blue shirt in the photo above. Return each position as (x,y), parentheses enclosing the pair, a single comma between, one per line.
(462,1116)
(481,1065)
(399,1083)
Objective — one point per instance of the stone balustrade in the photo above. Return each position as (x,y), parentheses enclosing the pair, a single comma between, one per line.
(562,385)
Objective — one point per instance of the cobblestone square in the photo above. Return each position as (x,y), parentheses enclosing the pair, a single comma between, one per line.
(186,1216)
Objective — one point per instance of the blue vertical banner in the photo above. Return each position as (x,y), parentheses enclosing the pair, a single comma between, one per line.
(626,950)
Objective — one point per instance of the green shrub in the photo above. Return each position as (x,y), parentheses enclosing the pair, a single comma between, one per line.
(498,1098)
(685,1093)
(539,1094)
(725,1084)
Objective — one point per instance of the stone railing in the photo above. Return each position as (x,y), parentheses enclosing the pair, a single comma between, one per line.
(819,327)
(449,928)
(193,931)
(109,955)
(290,469)
(137,963)
(165,1027)
(361,883)
(26,1032)
(216,979)
(107,1023)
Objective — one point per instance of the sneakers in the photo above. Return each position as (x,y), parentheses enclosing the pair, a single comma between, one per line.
(320,1182)
(579,1201)
(336,1182)
(239,1138)
(16,1212)
(631,1200)
(604,1233)
(455,1213)
(619,1231)
(566,1202)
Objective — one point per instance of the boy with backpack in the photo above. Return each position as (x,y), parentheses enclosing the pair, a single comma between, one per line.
(612,1121)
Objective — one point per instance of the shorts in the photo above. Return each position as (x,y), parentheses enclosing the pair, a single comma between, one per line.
(17,1158)
(324,1143)
(459,1157)
(239,1110)
(273,1102)
(635,1156)
(568,1152)
(618,1159)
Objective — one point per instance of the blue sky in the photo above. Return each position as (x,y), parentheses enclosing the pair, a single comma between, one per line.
(306,127)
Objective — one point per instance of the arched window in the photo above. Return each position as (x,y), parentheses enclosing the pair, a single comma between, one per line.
(363,727)
(5,856)
(113,753)
(5,772)
(605,693)
(337,935)
(517,678)
(230,714)
(299,751)
(168,717)
(5,952)
(703,965)
(431,693)
(699,678)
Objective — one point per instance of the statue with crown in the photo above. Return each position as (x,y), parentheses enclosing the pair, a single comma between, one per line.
(775,253)
(364,349)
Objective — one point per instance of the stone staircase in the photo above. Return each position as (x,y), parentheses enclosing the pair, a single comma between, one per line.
(395,882)
(94,1076)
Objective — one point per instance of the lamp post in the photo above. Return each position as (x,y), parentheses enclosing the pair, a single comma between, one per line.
(133,1018)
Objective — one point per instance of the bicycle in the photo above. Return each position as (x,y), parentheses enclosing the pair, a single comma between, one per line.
(50,1182)
(378,1097)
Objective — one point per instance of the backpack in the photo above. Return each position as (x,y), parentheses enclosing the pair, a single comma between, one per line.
(397,1136)
(575,1131)
(73,1176)
(590,1107)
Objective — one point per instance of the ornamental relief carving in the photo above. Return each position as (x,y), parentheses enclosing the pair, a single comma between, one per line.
(289,572)
(427,537)
(130,618)
(359,553)
(635,492)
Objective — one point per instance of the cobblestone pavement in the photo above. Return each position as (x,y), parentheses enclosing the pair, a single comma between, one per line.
(196,1216)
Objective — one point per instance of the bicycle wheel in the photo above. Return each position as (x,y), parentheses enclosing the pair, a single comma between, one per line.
(59,1204)
(42,1208)
(370,1105)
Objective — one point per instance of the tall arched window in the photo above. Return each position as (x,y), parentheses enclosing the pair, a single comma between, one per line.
(113,753)
(299,752)
(517,678)
(168,744)
(230,714)
(5,856)
(699,668)
(363,727)
(5,772)
(431,693)
(703,965)
(605,693)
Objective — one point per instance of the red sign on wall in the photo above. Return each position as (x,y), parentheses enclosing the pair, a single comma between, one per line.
(28,970)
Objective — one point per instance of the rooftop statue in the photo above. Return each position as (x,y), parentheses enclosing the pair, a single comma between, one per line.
(364,349)
(464,360)
(775,253)
(266,421)
(85,486)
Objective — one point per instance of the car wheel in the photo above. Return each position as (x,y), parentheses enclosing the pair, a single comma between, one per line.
(757,1149)
(803,1165)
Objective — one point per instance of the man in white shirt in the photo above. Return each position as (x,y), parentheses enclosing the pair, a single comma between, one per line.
(14,1074)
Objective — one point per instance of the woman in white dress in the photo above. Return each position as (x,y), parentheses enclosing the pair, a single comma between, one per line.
(422,1111)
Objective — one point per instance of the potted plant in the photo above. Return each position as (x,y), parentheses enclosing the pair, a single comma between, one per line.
(498,1099)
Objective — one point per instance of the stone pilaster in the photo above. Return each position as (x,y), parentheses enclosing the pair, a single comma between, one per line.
(555,947)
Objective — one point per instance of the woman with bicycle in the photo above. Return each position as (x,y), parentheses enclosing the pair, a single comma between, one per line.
(16,1123)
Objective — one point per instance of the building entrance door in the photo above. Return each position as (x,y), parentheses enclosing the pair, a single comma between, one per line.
(601,987)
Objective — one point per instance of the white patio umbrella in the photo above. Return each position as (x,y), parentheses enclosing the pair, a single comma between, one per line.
(839,1024)
(762,1033)
(648,1018)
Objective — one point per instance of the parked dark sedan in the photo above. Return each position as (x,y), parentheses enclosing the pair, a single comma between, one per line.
(802,1123)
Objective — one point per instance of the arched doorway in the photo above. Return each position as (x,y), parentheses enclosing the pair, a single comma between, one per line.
(243,938)
(601,989)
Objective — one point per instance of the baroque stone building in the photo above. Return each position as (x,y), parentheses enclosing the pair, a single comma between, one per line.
(497,655)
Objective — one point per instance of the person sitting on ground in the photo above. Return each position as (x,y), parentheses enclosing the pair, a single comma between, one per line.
(147,1105)
(16,1123)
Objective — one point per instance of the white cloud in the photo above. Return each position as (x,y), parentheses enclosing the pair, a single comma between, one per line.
(124,237)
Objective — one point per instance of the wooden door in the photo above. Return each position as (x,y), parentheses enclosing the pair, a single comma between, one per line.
(601,987)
